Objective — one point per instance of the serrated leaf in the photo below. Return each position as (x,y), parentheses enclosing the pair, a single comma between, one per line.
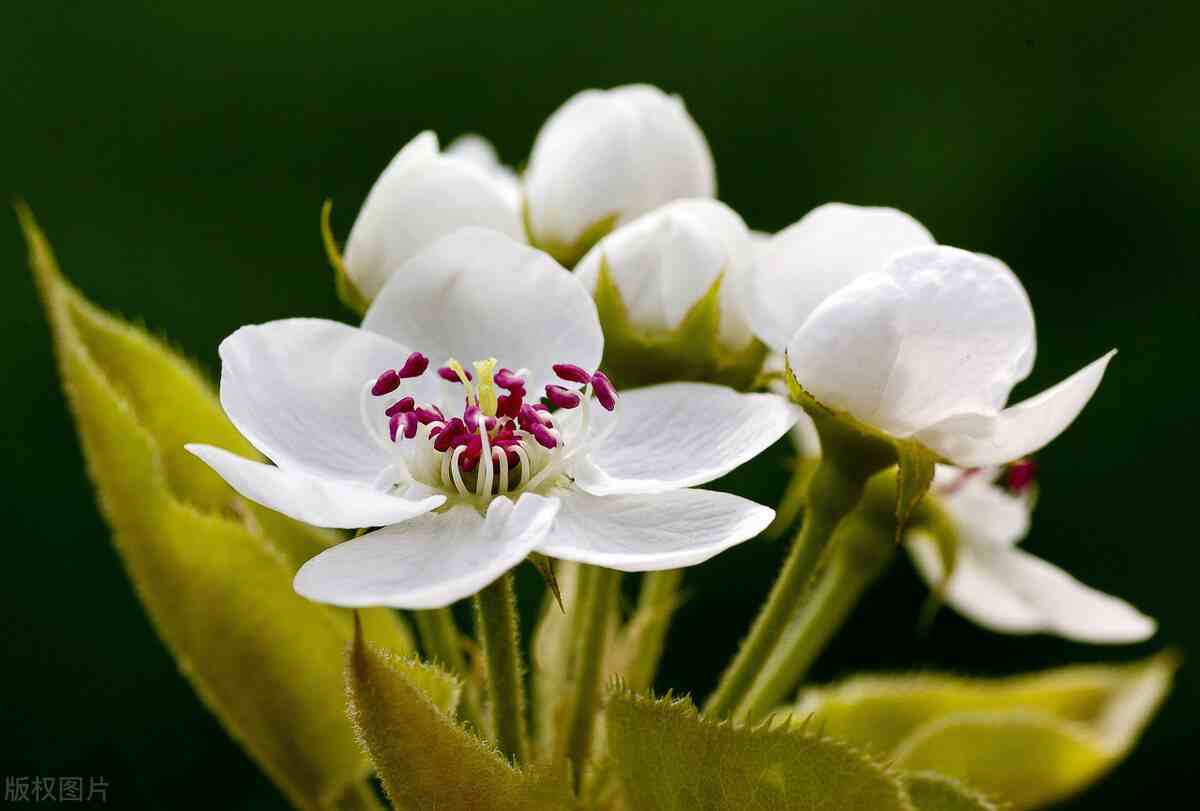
(934,792)
(1027,740)
(425,759)
(347,292)
(634,356)
(216,586)
(669,759)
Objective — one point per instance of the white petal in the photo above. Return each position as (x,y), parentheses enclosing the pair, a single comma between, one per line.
(1011,591)
(312,499)
(950,333)
(665,261)
(478,151)
(677,435)
(477,294)
(419,197)
(811,259)
(640,533)
(430,561)
(982,510)
(973,440)
(618,152)
(293,389)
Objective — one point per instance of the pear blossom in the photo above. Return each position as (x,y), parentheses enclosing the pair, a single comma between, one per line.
(665,261)
(424,194)
(512,442)
(1001,587)
(611,155)
(918,340)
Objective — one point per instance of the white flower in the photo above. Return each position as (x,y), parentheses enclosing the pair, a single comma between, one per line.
(466,478)
(423,195)
(664,262)
(921,341)
(612,154)
(1003,588)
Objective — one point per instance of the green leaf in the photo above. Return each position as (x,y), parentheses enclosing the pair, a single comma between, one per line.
(213,572)
(934,792)
(347,292)
(1028,740)
(426,759)
(634,356)
(669,759)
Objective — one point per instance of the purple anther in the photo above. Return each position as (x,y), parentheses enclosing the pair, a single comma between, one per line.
(571,372)
(386,383)
(446,373)
(544,436)
(561,397)
(401,406)
(1020,474)
(428,414)
(471,417)
(604,390)
(410,424)
(529,416)
(507,405)
(415,366)
(394,426)
(505,379)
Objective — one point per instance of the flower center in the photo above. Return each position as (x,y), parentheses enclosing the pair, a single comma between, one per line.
(502,443)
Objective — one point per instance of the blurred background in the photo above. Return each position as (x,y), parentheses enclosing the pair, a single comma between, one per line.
(177,156)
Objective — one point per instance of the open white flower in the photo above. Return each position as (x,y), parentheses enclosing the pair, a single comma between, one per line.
(463,468)
(922,343)
(665,261)
(1003,588)
(608,156)
(423,195)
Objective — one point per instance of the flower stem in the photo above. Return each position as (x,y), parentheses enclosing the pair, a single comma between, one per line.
(358,796)
(496,615)
(862,552)
(647,630)
(833,492)
(442,645)
(595,597)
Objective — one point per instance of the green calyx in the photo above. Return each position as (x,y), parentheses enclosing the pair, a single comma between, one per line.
(635,356)
(568,253)
(347,293)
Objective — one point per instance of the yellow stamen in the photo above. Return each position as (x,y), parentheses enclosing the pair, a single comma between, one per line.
(484,371)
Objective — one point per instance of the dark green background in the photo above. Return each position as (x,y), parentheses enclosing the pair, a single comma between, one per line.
(177,157)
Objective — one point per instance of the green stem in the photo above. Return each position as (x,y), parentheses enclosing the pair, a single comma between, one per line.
(358,796)
(647,629)
(442,645)
(496,615)
(832,493)
(594,600)
(863,551)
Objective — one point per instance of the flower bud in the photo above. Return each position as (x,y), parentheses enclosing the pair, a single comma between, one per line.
(671,284)
(607,156)
(423,195)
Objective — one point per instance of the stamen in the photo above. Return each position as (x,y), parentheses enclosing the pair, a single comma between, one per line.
(455,473)
(483,479)
(604,390)
(415,366)
(386,383)
(400,406)
(571,372)
(562,397)
(506,379)
(1020,474)
(501,456)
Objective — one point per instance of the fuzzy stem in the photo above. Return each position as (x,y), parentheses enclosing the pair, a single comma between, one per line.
(594,600)
(442,645)
(358,796)
(863,551)
(657,601)
(496,616)
(833,492)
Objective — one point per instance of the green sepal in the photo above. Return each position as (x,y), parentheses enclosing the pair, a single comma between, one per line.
(667,758)
(1028,740)
(347,292)
(545,567)
(634,356)
(402,712)
(930,791)
(213,571)
(841,433)
(568,254)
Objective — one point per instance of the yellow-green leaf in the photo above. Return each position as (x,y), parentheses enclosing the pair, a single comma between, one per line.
(213,572)
(669,759)
(1027,740)
(934,792)
(425,758)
